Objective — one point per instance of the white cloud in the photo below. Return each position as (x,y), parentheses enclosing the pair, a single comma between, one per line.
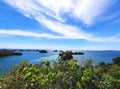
(49,13)
(25,33)
(17,32)
(105,39)
(89,37)
(84,10)
(99,48)
(88,10)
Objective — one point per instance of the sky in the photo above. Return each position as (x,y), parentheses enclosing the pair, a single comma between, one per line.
(60,24)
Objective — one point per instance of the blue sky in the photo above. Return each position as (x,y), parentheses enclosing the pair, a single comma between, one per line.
(60,24)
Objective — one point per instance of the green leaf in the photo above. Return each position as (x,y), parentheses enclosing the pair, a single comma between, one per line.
(41,75)
(27,76)
(79,85)
(25,69)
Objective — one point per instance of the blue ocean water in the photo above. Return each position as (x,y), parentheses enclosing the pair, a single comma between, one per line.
(6,63)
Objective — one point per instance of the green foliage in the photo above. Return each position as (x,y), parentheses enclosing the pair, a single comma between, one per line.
(116,60)
(64,74)
(108,82)
(87,75)
(65,55)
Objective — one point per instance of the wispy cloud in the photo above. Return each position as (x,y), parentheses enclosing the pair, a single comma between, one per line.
(85,10)
(7,33)
(99,48)
(52,14)
(25,33)
(17,32)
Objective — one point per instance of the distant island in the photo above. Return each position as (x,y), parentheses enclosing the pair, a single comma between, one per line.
(77,53)
(55,50)
(43,51)
(74,53)
(5,52)
(22,50)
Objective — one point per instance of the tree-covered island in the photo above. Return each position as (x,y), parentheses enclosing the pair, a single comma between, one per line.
(5,52)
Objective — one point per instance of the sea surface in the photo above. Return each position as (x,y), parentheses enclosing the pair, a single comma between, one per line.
(6,63)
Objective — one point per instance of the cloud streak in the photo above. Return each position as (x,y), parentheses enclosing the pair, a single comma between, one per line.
(42,35)
(52,14)
(25,33)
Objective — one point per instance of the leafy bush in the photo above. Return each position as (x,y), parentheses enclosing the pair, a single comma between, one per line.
(116,60)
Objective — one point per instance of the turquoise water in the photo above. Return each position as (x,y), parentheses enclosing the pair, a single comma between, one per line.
(35,57)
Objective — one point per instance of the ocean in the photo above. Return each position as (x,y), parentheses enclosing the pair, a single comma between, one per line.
(6,63)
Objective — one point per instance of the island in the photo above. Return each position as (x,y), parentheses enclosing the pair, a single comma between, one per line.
(5,52)
(43,51)
(55,50)
(36,50)
(22,50)
(77,53)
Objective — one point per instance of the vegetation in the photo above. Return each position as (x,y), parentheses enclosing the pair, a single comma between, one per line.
(64,74)
(65,55)
(116,60)
(5,52)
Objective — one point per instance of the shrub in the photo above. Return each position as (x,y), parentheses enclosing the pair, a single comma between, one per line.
(116,60)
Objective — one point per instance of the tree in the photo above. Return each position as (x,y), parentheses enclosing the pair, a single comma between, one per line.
(65,55)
